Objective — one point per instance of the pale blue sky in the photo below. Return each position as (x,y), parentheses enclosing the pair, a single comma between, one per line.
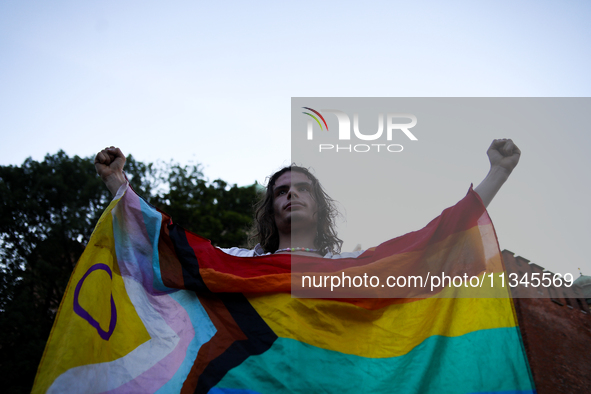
(212,81)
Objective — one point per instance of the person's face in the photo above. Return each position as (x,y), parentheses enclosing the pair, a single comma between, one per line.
(293,202)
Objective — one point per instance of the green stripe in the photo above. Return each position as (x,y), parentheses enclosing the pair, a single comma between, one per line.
(315,118)
(487,360)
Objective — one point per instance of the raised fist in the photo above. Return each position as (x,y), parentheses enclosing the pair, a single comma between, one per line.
(503,153)
(109,165)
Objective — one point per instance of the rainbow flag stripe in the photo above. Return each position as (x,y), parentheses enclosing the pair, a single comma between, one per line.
(153,308)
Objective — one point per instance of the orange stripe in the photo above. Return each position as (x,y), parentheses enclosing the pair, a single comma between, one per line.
(458,255)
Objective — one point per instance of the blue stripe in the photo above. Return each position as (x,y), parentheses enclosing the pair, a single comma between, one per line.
(204,331)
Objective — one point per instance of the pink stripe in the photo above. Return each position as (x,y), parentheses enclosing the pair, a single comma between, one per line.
(163,371)
(140,268)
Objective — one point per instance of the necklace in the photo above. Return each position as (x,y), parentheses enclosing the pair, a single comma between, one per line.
(296,250)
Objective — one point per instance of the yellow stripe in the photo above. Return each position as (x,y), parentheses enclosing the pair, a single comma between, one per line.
(470,252)
(387,332)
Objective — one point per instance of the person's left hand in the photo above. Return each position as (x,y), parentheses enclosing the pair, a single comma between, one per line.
(504,154)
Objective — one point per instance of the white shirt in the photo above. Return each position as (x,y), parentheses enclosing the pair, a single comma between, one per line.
(258,251)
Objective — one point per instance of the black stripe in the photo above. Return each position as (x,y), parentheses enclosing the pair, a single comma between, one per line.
(259,335)
(186,255)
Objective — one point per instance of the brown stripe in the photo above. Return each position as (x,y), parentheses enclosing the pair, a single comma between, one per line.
(170,266)
(227,333)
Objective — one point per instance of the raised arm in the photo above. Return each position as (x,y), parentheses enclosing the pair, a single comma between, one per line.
(109,165)
(503,155)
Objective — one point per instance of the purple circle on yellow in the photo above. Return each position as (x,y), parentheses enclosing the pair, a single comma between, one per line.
(85,315)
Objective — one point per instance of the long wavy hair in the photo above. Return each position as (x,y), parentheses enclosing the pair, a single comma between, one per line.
(266,232)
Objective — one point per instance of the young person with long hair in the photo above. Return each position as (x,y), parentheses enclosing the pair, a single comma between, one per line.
(296,216)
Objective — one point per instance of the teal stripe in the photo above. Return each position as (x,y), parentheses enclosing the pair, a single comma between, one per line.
(482,361)
(216,390)
(153,221)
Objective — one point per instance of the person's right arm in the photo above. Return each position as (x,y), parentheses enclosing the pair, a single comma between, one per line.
(109,165)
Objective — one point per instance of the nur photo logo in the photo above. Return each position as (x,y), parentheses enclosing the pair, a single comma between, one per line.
(393,125)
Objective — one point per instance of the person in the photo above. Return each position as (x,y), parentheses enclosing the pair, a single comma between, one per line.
(208,321)
(296,215)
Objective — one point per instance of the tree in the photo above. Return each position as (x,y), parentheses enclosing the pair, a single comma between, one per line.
(48,210)
(212,210)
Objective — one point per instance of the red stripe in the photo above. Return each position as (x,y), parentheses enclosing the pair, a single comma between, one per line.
(318,113)
(461,217)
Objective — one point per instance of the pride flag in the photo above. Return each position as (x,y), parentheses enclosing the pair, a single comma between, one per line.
(151,308)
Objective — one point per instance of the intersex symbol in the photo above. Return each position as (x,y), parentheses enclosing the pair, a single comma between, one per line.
(85,315)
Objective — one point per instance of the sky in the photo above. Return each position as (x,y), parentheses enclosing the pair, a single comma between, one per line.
(212,82)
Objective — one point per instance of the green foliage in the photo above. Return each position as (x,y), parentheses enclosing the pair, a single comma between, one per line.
(212,210)
(48,210)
